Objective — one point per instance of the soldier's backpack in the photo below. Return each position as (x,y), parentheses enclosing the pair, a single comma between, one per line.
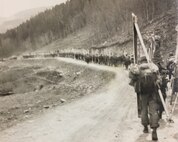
(147,79)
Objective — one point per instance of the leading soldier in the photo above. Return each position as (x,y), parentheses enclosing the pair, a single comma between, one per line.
(146,79)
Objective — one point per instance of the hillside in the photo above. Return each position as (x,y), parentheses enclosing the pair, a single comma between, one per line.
(165,26)
(17,19)
(108,21)
(86,39)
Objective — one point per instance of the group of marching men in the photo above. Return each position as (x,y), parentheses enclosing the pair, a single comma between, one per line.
(150,80)
(102,59)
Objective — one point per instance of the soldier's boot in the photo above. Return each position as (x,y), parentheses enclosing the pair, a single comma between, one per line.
(154,135)
(145,130)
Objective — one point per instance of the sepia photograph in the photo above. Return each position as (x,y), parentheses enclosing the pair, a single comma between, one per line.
(88,70)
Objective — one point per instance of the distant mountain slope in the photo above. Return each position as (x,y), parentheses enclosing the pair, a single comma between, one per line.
(107,19)
(17,19)
(83,39)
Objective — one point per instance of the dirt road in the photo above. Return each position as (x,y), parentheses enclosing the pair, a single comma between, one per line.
(107,116)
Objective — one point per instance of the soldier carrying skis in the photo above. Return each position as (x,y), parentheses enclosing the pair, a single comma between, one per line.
(146,78)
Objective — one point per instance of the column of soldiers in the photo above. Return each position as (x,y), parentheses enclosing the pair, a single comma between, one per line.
(99,58)
(148,79)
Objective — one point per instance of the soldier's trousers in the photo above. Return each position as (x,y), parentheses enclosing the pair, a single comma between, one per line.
(149,113)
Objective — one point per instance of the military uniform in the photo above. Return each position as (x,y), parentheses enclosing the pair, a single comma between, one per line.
(149,99)
(144,79)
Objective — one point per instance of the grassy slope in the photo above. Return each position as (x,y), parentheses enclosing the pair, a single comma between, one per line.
(85,37)
(78,40)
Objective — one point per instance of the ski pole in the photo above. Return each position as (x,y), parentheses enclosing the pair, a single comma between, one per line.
(172,86)
(173,109)
(164,105)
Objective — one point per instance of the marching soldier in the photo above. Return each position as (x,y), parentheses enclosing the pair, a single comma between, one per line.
(146,78)
(163,87)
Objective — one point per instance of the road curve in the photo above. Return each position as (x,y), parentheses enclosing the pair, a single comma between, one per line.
(109,115)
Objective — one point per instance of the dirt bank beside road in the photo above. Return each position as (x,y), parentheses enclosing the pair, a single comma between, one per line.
(43,84)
